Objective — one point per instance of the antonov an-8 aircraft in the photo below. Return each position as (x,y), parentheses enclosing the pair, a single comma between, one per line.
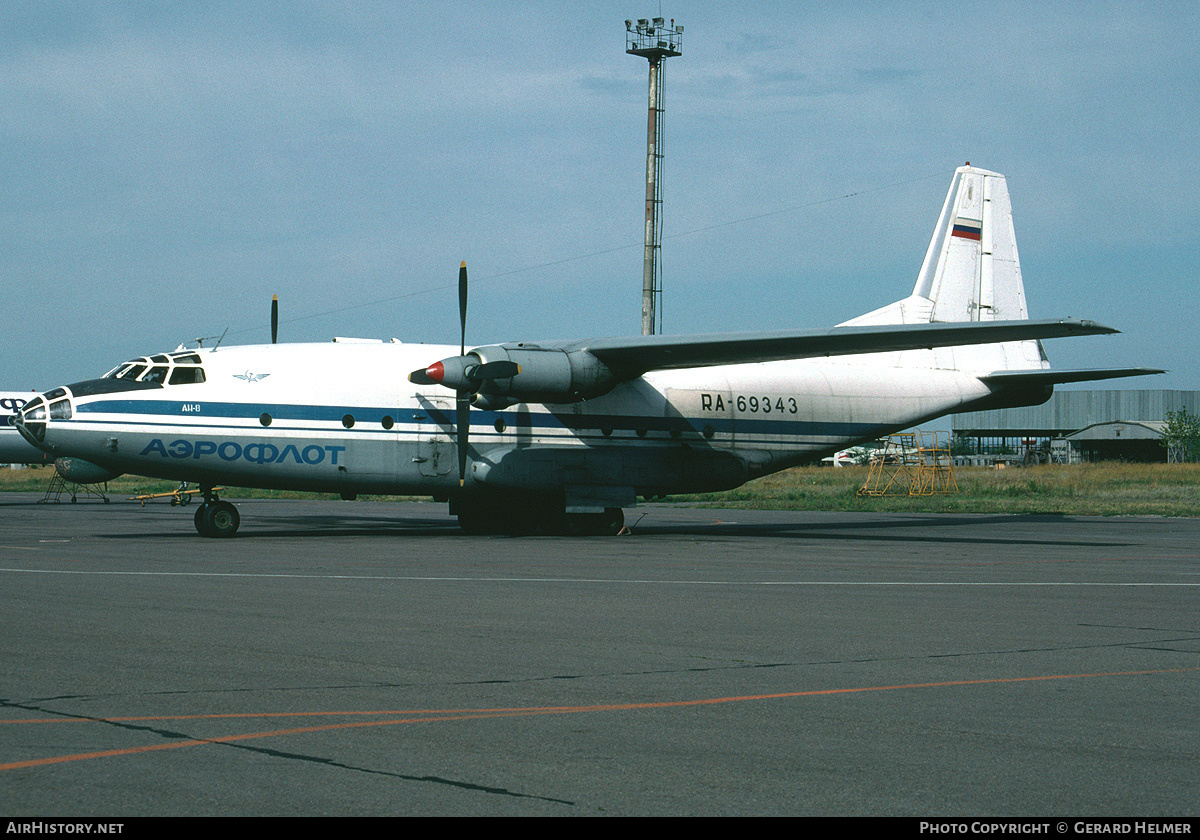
(562,435)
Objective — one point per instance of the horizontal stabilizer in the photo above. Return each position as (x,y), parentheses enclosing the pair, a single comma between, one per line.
(634,355)
(1060,377)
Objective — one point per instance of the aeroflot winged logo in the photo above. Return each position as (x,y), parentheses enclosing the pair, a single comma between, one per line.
(251,377)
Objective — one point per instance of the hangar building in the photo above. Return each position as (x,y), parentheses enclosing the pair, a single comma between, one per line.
(1096,425)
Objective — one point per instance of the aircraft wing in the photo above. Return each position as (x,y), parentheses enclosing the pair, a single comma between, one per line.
(635,355)
(1059,377)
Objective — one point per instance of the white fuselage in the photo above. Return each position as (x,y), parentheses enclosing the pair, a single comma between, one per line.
(345,418)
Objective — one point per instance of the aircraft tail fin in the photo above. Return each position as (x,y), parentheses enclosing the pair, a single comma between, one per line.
(971,271)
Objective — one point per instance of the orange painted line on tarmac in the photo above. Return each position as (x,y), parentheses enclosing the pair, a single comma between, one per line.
(435,716)
(225,739)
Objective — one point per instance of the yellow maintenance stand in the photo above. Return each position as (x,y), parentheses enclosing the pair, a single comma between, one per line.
(912,463)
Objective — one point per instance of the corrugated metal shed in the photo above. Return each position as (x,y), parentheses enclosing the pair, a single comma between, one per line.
(1121,430)
(1070,411)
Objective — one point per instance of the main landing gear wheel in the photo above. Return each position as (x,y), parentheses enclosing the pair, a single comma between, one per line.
(478,517)
(522,514)
(606,524)
(217,519)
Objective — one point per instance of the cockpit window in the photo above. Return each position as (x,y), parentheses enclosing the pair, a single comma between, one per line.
(185,375)
(174,369)
(119,371)
(129,370)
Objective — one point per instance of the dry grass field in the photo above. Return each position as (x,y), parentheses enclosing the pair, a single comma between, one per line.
(1104,489)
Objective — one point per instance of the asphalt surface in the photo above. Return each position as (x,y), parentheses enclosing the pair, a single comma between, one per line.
(359,658)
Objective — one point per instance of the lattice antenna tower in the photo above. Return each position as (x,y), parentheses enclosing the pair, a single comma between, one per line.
(653,39)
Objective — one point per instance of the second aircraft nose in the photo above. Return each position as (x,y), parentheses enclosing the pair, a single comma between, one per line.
(32,420)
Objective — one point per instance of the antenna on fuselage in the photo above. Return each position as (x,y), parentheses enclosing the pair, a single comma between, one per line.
(274,319)
(200,341)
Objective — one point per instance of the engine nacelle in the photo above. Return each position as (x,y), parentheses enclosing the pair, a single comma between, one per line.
(499,375)
(550,376)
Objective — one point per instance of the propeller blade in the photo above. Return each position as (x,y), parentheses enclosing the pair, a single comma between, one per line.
(493,370)
(462,307)
(274,318)
(462,423)
(463,373)
(421,377)
(462,419)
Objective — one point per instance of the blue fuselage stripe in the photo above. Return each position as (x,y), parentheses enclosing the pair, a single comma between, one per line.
(369,419)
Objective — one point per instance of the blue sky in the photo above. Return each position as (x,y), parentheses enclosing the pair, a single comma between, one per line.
(167,167)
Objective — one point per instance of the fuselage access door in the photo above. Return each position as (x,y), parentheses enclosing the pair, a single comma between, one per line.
(434,420)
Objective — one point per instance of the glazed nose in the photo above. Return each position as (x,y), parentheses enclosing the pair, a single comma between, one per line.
(32,419)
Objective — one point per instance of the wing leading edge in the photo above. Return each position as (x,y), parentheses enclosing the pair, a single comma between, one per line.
(635,355)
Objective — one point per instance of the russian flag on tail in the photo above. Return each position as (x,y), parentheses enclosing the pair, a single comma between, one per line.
(968,229)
